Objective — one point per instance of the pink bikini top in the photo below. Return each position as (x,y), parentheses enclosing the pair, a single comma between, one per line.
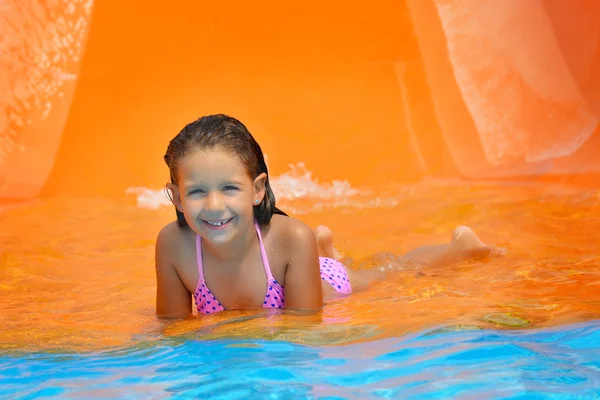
(206,303)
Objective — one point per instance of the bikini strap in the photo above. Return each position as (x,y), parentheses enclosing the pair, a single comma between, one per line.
(263,253)
(199,257)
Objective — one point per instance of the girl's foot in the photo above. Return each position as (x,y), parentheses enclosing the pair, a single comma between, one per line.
(466,245)
(325,243)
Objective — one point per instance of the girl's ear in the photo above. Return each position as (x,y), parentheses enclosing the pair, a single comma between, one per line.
(260,188)
(174,195)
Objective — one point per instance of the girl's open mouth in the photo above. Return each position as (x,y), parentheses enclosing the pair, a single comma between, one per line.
(218,224)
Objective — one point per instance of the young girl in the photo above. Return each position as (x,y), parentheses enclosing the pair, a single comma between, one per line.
(233,249)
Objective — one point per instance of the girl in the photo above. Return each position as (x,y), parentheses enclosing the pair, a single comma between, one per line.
(233,249)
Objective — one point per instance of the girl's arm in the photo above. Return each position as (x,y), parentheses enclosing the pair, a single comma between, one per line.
(172,297)
(303,288)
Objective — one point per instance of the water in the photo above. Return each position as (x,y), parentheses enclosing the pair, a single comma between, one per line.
(559,363)
(77,288)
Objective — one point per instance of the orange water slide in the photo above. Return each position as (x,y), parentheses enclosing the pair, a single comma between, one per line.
(372,92)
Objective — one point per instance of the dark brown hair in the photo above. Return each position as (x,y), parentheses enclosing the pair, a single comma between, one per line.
(226,133)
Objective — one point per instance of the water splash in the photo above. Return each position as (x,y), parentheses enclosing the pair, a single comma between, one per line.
(298,183)
(149,198)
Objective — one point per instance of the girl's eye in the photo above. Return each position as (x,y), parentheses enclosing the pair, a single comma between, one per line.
(195,191)
(228,188)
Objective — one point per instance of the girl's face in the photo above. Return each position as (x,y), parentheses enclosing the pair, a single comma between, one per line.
(217,195)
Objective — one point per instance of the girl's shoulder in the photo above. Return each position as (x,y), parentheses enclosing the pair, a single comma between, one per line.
(171,237)
(290,232)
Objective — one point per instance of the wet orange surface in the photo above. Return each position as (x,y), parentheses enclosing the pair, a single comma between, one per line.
(408,99)
(78,274)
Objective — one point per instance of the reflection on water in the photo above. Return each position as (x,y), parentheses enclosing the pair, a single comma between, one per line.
(559,362)
(78,274)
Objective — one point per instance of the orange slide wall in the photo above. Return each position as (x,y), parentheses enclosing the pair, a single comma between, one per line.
(372,92)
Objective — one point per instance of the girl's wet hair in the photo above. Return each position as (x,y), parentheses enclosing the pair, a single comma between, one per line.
(224,133)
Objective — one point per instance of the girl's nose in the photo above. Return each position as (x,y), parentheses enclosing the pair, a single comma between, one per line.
(214,201)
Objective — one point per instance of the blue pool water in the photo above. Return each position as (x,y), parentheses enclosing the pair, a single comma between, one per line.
(556,363)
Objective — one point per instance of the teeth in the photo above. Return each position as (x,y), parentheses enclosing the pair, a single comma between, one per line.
(218,223)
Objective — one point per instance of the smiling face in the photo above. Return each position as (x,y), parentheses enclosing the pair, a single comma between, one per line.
(217,195)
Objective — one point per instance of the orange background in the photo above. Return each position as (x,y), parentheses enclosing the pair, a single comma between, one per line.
(363,91)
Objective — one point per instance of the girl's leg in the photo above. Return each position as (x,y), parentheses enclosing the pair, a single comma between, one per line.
(465,245)
(359,279)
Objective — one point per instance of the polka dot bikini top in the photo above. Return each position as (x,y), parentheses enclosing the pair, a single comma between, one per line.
(206,303)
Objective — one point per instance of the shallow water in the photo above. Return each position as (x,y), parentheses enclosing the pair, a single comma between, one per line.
(552,363)
(77,283)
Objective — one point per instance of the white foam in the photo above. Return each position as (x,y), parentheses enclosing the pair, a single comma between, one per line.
(298,183)
(149,198)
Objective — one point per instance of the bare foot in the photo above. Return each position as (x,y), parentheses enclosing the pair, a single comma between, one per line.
(325,242)
(466,245)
